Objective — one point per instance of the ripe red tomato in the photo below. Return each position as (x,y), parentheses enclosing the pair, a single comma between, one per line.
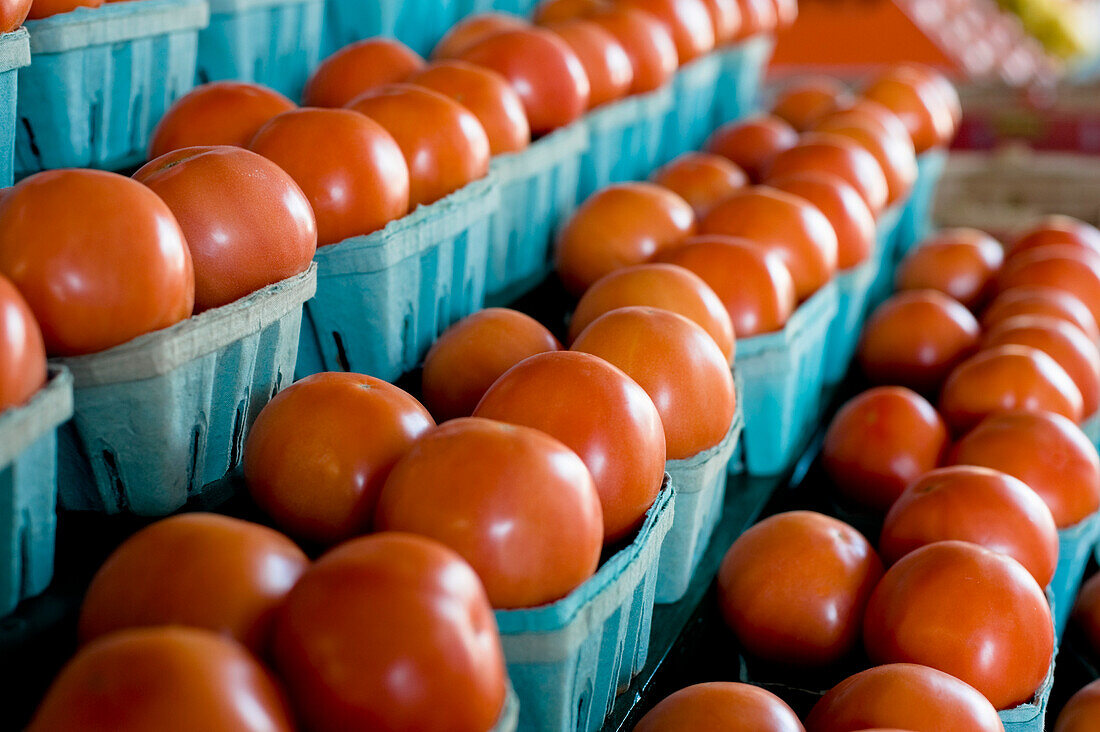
(725,18)
(757,16)
(786,12)
(516,504)
(881,133)
(1058,229)
(358,68)
(1070,269)
(473,353)
(621,225)
(961,263)
(721,705)
(319,452)
(472,30)
(605,61)
(98,257)
(556,11)
(1086,612)
(752,143)
(995,634)
(842,205)
(794,587)
(544,71)
(921,108)
(783,223)
(347,165)
(1081,711)
(218,113)
(702,179)
(168,679)
(1027,300)
(880,442)
(809,98)
(1047,452)
(22,352)
(602,415)
(915,339)
(840,156)
(905,694)
(647,43)
(45,8)
(391,631)
(688,21)
(940,85)
(13,13)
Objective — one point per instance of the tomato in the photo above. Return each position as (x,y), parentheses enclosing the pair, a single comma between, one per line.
(842,205)
(809,98)
(358,68)
(616,227)
(915,339)
(941,86)
(793,588)
(688,21)
(752,283)
(391,631)
(321,449)
(995,633)
(721,705)
(881,441)
(1086,612)
(45,8)
(828,153)
(904,694)
(1070,269)
(918,105)
(757,16)
(786,224)
(1047,452)
(961,263)
(1004,378)
(470,31)
(602,415)
(605,61)
(681,368)
(1058,229)
(1081,711)
(516,504)
(473,353)
(752,143)
(219,113)
(881,133)
(444,145)
(98,257)
(487,95)
(702,179)
(13,13)
(22,351)
(663,286)
(556,11)
(647,43)
(168,679)
(1048,301)
(544,71)
(725,18)
(786,12)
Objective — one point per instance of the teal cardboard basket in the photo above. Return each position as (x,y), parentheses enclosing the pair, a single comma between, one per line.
(28,489)
(164,416)
(419,24)
(100,79)
(690,118)
(916,219)
(538,191)
(740,77)
(885,254)
(276,43)
(509,716)
(568,660)
(382,299)
(853,295)
(1075,546)
(518,7)
(15,52)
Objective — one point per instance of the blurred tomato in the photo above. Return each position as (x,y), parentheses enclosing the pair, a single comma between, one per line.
(807,99)
(13,13)
(825,152)
(702,179)
(751,144)
(687,21)
(470,31)
(1057,229)
(45,8)
(961,263)
(1081,711)
(1048,301)
(556,11)
(921,108)
(757,17)
(881,133)
(1086,612)
(852,221)
(22,352)
(786,12)
(725,18)
(604,59)
(1070,269)
(358,68)
(647,43)
(723,705)
(941,86)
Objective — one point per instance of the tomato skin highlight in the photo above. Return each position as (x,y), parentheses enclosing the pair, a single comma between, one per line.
(22,351)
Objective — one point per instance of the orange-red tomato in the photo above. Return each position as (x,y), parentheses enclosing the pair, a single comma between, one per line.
(915,339)
(809,98)
(98,257)
(391,631)
(751,144)
(555,11)
(786,12)
(961,263)
(842,205)
(841,156)
(995,633)
(473,353)
(218,113)
(794,587)
(22,352)
(1047,452)
(723,705)
(882,134)
(516,504)
(702,179)
(1048,301)
(904,694)
(618,226)
(1070,269)
(881,441)
(200,570)
(444,145)
(46,8)
(1056,229)
(1086,612)
(544,71)
(783,223)
(1081,711)
(663,286)
(757,16)
(13,13)
(358,68)
(725,18)
(474,29)
(753,283)
(348,166)
(603,57)
(941,85)
(319,452)
(920,106)
(1005,378)
(602,415)
(647,43)
(688,21)
(168,679)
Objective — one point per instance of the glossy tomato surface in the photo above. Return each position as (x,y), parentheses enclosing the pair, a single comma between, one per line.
(687,21)
(881,133)
(13,13)
(648,45)
(917,104)
(842,205)
(548,12)
(1081,711)
(1045,301)
(702,179)
(472,30)
(358,68)
(725,18)
(961,263)
(1071,269)
(45,8)
(605,61)
(837,155)
(757,16)
(1057,229)
(22,352)
(807,99)
(751,144)
(727,706)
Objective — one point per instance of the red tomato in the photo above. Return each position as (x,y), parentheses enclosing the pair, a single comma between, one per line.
(725,18)
(98,257)
(1070,269)
(1047,452)
(757,16)
(752,143)
(22,352)
(828,153)
(958,262)
(941,86)
(219,113)
(842,205)
(605,61)
(1086,612)
(688,21)
(794,588)
(1081,711)
(905,694)
(391,631)
(1058,229)
(809,98)
(720,705)
(915,339)
(702,179)
(1026,300)
(880,442)
(616,227)
(786,12)
(881,133)
(921,108)
(358,68)
(13,13)
(167,679)
(783,223)
(45,8)
(319,452)
(647,43)
(473,353)
(602,415)
(516,504)
(474,29)
(995,633)
(556,11)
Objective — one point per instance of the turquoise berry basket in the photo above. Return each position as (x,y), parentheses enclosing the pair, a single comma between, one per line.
(690,119)
(1075,546)
(853,296)
(15,53)
(916,219)
(740,77)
